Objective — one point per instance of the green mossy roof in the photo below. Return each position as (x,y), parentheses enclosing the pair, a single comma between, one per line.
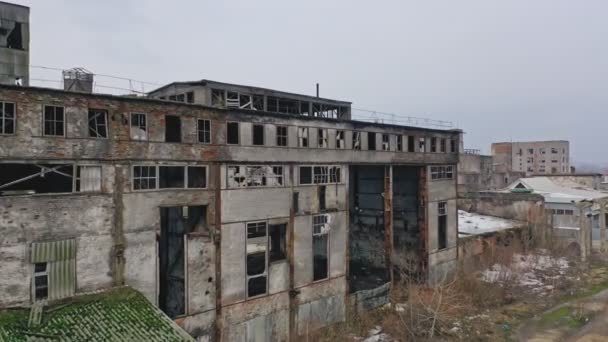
(120,314)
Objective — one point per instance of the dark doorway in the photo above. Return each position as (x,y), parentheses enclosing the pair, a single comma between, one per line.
(367,244)
(173,128)
(175,223)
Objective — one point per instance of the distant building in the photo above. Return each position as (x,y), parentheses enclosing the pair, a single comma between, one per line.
(477,172)
(14,44)
(578,211)
(533,157)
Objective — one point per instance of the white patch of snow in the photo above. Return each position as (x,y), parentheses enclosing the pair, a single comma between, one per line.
(473,223)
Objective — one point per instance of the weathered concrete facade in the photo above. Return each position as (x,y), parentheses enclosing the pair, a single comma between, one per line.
(14,44)
(533,157)
(237,223)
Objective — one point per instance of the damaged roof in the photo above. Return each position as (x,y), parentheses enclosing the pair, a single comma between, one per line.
(253,89)
(119,314)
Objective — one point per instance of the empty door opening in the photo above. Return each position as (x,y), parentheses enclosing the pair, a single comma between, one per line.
(176,223)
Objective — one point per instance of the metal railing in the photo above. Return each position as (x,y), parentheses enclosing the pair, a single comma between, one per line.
(396,119)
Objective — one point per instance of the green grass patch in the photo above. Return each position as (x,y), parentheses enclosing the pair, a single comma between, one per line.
(564,316)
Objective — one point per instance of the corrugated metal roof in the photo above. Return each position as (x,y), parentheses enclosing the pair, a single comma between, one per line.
(120,314)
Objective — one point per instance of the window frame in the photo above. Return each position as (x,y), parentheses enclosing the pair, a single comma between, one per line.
(386,145)
(156,178)
(356,141)
(442,172)
(340,139)
(306,138)
(322,138)
(273,166)
(399,142)
(266,260)
(106,123)
(64,126)
(328,247)
(3,118)
(36,275)
(203,131)
(145,115)
(282,136)
(328,175)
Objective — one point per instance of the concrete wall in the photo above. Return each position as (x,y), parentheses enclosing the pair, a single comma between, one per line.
(117,228)
(441,262)
(15,62)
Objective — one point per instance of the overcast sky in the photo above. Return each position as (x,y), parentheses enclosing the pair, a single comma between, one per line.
(500,70)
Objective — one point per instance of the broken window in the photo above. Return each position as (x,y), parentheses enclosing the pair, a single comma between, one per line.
(88,178)
(399,142)
(257,247)
(171,177)
(305,108)
(453,146)
(288,106)
(14,34)
(554,150)
(281,136)
(356,140)
(232,99)
(180,98)
(139,126)
(254,175)
(411,144)
(320,175)
(371,141)
(442,172)
(173,128)
(442,225)
(277,234)
(7,118)
(232,133)
(98,123)
(38,178)
(258,102)
(302,136)
(197,177)
(442,146)
(322,137)
(144,177)
(320,246)
(340,141)
(272,104)
(218,98)
(54,266)
(41,281)
(433,144)
(54,121)
(421,143)
(258,135)
(245,101)
(204,131)
(530,151)
(190,97)
(386,145)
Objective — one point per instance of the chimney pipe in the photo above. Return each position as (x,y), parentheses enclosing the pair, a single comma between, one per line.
(317,89)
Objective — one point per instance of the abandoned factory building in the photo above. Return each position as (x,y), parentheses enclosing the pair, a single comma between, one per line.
(243,213)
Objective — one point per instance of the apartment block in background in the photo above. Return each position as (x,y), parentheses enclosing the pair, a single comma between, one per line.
(533,157)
